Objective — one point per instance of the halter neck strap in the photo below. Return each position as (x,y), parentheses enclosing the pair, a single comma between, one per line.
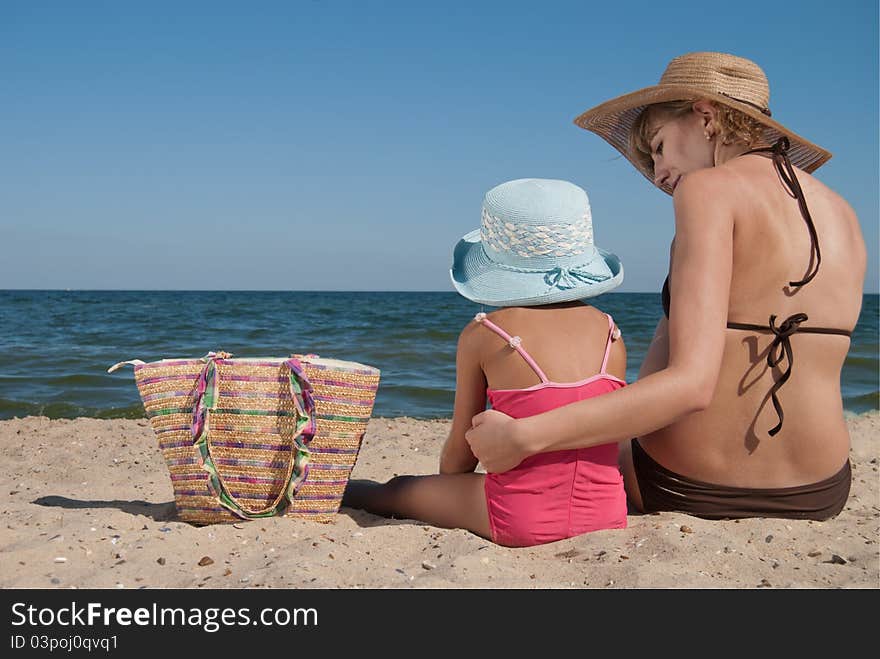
(779,153)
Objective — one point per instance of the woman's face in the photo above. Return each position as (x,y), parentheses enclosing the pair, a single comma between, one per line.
(679,147)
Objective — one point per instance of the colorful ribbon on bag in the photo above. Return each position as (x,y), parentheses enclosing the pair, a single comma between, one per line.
(207,396)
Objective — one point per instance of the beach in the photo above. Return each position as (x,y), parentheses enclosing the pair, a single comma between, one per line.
(89,504)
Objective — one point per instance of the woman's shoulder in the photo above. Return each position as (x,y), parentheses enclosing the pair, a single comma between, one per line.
(706,199)
(710,184)
(753,179)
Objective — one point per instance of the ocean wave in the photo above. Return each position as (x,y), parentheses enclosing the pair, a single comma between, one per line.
(60,410)
(862,403)
(60,370)
(857,361)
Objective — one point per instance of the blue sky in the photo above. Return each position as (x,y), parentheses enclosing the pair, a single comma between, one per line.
(347,145)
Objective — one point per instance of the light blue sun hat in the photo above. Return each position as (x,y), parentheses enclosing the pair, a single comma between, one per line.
(534,246)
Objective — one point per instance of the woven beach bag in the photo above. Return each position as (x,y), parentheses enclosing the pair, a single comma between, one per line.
(258,437)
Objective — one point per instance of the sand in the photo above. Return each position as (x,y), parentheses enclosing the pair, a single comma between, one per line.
(88,504)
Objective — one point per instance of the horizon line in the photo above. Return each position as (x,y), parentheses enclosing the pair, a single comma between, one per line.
(246,290)
(271,290)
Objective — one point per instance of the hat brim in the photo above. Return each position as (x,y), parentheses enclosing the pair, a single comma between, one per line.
(476,277)
(613,121)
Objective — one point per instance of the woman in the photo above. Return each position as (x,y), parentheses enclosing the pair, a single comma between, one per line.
(766,269)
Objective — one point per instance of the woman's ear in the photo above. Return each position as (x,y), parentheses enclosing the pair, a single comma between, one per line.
(706,112)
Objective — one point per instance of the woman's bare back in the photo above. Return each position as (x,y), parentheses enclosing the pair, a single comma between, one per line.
(728,442)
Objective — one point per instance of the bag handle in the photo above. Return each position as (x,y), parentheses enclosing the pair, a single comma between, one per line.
(130,362)
(207,397)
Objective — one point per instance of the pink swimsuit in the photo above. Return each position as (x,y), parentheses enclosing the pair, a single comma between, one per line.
(557,495)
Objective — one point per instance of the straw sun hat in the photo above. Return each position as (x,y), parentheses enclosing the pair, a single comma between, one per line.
(534,246)
(732,81)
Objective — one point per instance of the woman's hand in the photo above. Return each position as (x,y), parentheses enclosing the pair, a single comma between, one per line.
(494,440)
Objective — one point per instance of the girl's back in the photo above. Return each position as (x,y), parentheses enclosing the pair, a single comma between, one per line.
(567,340)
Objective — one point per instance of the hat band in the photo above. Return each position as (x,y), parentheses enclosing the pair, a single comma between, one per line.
(561,278)
(537,263)
(567,278)
(524,240)
(754,105)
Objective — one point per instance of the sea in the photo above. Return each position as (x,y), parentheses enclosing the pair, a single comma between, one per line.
(56,345)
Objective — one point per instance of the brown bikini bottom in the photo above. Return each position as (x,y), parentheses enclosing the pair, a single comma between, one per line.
(662,489)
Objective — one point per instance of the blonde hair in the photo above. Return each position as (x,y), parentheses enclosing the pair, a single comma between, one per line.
(731,126)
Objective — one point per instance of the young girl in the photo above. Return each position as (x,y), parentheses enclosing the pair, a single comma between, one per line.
(534,257)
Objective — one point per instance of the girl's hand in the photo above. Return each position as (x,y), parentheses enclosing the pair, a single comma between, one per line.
(493,440)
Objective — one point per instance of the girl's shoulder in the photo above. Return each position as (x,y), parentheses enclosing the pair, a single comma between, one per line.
(516,319)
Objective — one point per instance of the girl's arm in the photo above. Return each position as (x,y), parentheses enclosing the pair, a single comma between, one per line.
(470,399)
(700,287)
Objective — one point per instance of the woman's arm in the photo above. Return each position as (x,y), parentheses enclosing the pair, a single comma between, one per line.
(700,287)
(470,399)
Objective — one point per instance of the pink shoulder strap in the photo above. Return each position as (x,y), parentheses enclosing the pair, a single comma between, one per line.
(613,335)
(514,342)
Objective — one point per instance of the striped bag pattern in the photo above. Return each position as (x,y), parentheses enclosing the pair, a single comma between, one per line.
(257,437)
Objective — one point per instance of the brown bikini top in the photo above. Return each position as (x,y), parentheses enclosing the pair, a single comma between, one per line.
(780,347)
